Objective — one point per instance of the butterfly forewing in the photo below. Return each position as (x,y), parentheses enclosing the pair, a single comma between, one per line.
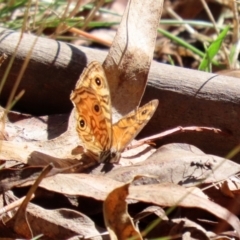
(94,78)
(93,110)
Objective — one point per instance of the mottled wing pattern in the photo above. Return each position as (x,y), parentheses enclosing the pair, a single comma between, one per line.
(126,129)
(92,102)
(94,78)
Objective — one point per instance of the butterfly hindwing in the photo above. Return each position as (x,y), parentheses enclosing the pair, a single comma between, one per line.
(126,129)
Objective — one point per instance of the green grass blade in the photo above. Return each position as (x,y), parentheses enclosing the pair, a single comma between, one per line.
(213,50)
(181,42)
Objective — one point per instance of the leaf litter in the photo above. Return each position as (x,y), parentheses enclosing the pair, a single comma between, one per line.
(185,192)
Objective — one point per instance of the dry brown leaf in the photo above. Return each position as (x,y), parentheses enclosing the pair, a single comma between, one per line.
(22,150)
(152,210)
(226,190)
(168,194)
(185,227)
(61,223)
(128,61)
(47,216)
(19,222)
(136,155)
(26,128)
(179,228)
(234,184)
(117,220)
(11,206)
(181,164)
(164,194)
(96,187)
(10,177)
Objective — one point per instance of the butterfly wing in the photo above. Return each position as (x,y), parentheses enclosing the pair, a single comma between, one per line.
(92,102)
(126,129)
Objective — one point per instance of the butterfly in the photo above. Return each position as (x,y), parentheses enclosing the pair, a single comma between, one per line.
(103,140)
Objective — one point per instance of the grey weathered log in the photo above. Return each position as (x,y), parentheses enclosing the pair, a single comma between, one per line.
(187,97)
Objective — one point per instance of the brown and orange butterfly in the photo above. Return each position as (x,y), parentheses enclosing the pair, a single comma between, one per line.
(103,140)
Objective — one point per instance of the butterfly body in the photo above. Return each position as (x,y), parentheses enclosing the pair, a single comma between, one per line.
(103,140)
